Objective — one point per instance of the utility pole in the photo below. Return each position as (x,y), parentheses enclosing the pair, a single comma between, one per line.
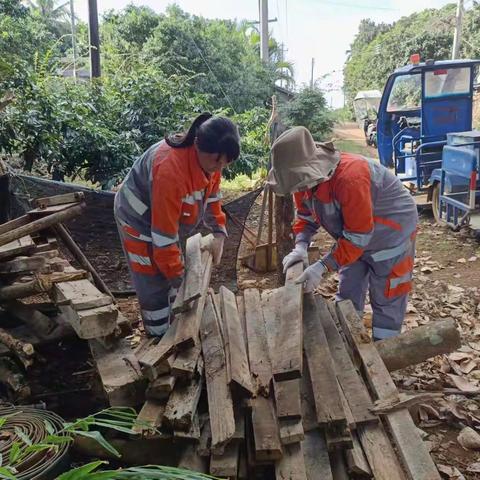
(457,39)
(74,39)
(94,39)
(311,75)
(264,30)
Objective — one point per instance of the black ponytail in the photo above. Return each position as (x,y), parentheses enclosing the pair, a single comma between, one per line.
(213,135)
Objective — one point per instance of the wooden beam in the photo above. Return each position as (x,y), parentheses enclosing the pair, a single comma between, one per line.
(193,269)
(185,364)
(160,388)
(188,326)
(222,420)
(182,405)
(80,295)
(291,431)
(41,324)
(339,466)
(415,457)
(260,365)
(13,233)
(226,465)
(419,344)
(287,361)
(292,464)
(150,418)
(21,246)
(328,403)
(317,462)
(21,265)
(120,373)
(356,461)
(235,348)
(265,430)
(191,460)
(44,202)
(350,381)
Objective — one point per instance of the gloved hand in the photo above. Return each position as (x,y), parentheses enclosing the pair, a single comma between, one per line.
(298,254)
(217,248)
(312,276)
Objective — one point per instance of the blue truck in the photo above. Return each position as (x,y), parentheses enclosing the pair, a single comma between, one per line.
(424,132)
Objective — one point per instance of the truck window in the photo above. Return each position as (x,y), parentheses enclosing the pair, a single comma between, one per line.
(406,93)
(444,82)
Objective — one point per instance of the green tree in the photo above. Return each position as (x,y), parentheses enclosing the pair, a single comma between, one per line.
(309,109)
(54,15)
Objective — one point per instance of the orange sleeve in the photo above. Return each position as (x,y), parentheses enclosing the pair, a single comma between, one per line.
(166,201)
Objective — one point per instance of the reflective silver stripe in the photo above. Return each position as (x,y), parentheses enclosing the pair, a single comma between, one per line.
(308,218)
(330,208)
(382,333)
(189,200)
(395,282)
(145,238)
(390,252)
(155,315)
(198,195)
(358,239)
(134,201)
(162,240)
(157,330)
(215,198)
(140,259)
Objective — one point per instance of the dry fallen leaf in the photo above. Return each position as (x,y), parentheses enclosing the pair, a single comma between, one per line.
(472,259)
(468,438)
(463,384)
(450,472)
(461,260)
(474,467)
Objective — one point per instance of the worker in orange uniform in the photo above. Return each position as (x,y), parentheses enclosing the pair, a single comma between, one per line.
(365,208)
(169,191)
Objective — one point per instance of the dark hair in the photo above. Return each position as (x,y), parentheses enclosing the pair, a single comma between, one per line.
(213,134)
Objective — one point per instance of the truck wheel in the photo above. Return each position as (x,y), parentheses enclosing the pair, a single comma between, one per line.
(436,203)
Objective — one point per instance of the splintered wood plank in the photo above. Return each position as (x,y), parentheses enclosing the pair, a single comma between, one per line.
(193,269)
(160,388)
(292,464)
(220,406)
(226,465)
(265,430)
(328,403)
(185,364)
(291,431)
(317,461)
(349,378)
(309,415)
(260,365)
(182,405)
(186,335)
(191,460)
(80,294)
(155,356)
(21,246)
(415,457)
(235,348)
(150,417)
(356,461)
(287,393)
(119,372)
(287,360)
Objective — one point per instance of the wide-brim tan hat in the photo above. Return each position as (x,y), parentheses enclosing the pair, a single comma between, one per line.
(300,163)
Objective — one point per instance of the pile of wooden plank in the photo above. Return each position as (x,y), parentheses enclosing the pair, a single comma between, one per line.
(275,383)
(31,264)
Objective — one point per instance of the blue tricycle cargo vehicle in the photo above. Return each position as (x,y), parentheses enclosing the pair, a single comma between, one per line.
(424,132)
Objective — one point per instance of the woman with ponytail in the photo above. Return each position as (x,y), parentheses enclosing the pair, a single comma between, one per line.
(170,190)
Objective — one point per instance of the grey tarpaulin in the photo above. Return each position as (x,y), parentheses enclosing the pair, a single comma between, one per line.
(96,233)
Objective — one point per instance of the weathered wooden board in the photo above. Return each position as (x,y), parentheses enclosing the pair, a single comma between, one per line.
(235,348)
(193,433)
(287,361)
(356,461)
(350,381)
(185,364)
(339,466)
(41,324)
(120,373)
(265,430)
(193,269)
(292,464)
(21,246)
(160,388)
(191,460)
(186,334)
(328,404)
(291,431)
(80,294)
(309,415)
(226,465)
(182,405)
(44,202)
(260,365)
(150,417)
(205,441)
(222,420)
(317,462)
(21,265)
(415,457)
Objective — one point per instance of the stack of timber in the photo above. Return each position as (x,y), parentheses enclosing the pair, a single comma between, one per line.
(74,301)
(264,385)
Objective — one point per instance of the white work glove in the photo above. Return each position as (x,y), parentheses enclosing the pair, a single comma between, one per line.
(217,248)
(312,276)
(298,254)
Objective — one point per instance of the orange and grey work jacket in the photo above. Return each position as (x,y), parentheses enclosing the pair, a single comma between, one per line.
(164,197)
(364,207)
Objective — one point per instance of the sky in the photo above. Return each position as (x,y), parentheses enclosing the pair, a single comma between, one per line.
(318,29)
